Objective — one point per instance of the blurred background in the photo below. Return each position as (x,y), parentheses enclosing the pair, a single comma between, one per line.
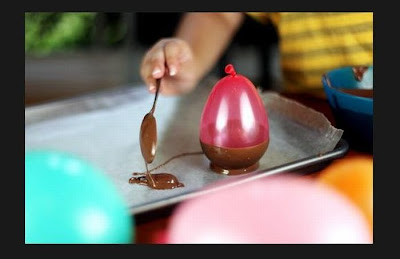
(70,54)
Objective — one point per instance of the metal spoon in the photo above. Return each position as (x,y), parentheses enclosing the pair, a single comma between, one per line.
(148,136)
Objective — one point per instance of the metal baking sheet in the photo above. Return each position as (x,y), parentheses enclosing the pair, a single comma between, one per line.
(103,128)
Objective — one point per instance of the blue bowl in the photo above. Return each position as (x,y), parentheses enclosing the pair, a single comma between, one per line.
(352,112)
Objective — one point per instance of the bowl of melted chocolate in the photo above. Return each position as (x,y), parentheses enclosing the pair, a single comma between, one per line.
(349,91)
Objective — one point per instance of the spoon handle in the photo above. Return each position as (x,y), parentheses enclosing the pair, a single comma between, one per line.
(158,82)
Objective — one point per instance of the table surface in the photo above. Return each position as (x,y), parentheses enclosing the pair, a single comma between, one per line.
(151,230)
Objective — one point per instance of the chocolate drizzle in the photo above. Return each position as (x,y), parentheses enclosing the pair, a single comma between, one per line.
(359,72)
(162,180)
(169,160)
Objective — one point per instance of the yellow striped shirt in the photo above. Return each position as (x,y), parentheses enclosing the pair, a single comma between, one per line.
(310,44)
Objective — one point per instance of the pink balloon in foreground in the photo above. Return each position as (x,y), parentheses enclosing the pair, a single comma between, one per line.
(277,209)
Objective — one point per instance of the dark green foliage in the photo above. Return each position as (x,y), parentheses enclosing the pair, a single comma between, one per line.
(47,32)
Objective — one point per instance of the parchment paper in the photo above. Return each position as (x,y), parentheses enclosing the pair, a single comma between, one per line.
(104,129)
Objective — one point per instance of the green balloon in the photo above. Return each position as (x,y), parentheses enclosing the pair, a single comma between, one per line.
(67,200)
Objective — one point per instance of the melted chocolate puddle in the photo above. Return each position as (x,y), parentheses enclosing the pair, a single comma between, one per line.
(162,181)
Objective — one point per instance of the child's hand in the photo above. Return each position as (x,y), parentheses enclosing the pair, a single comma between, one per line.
(172,59)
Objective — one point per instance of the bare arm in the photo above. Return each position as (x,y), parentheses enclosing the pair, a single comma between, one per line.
(208,35)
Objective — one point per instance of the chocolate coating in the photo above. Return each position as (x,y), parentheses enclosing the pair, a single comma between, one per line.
(369,93)
(148,137)
(233,161)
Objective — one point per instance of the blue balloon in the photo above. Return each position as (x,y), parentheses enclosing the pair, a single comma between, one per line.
(68,200)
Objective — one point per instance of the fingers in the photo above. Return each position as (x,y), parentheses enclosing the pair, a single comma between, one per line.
(151,84)
(176,53)
(153,66)
(165,59)
(157,63)
(171,51)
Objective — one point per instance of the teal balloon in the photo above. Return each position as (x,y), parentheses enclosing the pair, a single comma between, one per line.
(68,200)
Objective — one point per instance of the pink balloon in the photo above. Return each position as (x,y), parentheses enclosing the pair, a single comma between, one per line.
(276,209)
(234,115)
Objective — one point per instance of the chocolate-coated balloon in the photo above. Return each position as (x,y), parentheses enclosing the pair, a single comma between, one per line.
(234,129)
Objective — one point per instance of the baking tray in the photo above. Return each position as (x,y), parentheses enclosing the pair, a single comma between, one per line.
(164,207)
(304,166)
(127,105)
